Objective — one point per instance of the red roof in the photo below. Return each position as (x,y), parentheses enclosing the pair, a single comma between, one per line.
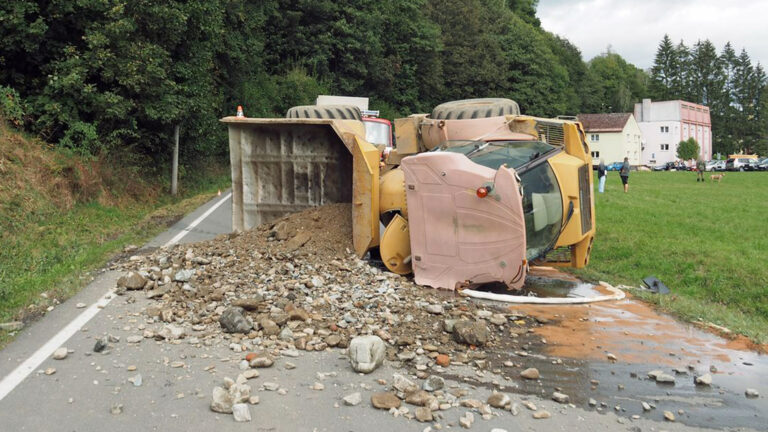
(611,122)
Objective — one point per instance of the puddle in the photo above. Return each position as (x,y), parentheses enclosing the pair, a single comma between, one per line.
(545,282)
(581,337)
(547,287)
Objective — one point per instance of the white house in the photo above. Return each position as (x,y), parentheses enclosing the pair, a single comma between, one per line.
(613,137)
(665,124)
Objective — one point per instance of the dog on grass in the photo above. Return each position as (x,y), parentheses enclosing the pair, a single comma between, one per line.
(717,177)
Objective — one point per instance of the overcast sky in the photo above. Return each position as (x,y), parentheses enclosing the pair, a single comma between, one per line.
(634,28)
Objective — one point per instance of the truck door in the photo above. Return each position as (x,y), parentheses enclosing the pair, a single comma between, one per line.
(457,236)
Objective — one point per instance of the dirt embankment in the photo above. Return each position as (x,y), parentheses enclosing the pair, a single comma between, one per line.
(35,177)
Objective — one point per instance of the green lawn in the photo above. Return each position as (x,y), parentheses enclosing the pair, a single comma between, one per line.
(707,242)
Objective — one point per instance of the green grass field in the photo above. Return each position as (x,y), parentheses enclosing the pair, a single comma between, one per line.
(707,242)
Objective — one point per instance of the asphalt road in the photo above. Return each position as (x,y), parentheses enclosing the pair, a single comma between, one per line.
(86,385)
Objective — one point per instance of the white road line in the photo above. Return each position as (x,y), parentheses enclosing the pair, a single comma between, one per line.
(17,376)
(44,352)
(197,221)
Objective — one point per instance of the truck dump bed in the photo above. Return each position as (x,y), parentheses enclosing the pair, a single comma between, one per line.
(282,166)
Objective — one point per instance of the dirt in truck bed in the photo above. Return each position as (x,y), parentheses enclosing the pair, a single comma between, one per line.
(325,231)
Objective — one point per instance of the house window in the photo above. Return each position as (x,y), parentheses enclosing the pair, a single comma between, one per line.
(664,147)
(665,129)
(595,137)
(595,154)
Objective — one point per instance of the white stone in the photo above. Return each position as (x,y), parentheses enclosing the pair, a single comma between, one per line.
(241,412)
(366,353)
(221,401)
(60,353)
(705,379)
(403,384)
(353,399)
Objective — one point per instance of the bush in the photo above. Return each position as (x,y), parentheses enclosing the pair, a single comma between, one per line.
(11,106)
(82,138)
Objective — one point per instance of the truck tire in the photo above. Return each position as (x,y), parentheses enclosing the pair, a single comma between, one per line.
(337,112)
(475,108)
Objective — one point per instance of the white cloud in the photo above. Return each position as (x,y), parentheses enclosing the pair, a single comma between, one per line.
(634,28)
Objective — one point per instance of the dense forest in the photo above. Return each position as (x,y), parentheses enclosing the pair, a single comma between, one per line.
(100,76)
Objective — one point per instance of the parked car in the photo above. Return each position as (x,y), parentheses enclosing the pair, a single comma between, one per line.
(616,166)
(763,165)
(737,164)
(669,166)
(751,165)
(715,165)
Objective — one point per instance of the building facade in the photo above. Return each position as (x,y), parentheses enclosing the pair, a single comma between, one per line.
(613,137)
(664,124)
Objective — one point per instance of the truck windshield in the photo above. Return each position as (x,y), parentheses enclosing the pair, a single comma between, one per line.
(496,153)
(377,133)
(542,200)
(542,209)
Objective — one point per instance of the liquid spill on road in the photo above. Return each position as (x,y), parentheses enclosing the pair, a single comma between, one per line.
(582,336)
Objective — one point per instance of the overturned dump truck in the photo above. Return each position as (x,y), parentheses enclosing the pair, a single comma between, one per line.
(472,193)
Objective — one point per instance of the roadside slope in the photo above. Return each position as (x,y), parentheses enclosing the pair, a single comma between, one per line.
(62,214)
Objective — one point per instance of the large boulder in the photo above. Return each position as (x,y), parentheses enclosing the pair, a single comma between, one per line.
(132,281)
(366,353)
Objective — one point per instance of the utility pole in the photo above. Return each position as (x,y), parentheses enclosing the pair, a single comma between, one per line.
(175,169)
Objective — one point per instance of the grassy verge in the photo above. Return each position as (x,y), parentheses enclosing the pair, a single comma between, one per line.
(706,241)
(62,216)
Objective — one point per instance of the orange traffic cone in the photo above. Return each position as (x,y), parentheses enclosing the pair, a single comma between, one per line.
(240,111)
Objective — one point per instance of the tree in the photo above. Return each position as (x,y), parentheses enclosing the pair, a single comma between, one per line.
(530,72)
(682,77)
(619,84)
(664,72)
(688,149)
(706,75)
(581,90)
(526,10)
(760,137)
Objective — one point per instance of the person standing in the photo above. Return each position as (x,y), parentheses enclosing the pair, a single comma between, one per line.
(699,169)
(624,173)
(601,172)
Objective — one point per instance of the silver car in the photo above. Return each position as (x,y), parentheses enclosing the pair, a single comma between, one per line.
(715,165)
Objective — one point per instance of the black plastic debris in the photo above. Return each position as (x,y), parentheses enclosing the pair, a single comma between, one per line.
(655,285)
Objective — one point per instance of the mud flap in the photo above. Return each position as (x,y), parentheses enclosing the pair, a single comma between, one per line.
(365,197)
(396,246)
(457,238)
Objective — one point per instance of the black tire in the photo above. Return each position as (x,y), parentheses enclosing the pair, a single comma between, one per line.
(475,108)
(338,112)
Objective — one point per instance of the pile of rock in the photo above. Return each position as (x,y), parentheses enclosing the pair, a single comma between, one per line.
(266,298)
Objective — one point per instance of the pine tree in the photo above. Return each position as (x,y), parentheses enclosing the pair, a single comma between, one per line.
(761,112)
(724,122)
(743,100)
(682,75)
(665,66)
(706,76)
